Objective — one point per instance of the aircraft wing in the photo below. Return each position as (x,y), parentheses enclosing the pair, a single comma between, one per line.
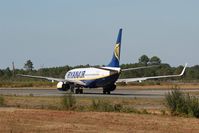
(145,78)
(136,68)
(54,79)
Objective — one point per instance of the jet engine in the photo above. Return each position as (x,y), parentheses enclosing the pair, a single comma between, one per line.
(61,86)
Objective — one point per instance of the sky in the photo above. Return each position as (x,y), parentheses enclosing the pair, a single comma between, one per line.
(55,33)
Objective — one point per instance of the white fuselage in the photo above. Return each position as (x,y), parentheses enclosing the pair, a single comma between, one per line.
(89,73)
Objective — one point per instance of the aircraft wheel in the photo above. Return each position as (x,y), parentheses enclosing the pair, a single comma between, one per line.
(72,90)
(106,92)
(77,91)
(81,91)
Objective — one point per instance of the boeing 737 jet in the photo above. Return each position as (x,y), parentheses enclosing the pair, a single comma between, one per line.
(93,77)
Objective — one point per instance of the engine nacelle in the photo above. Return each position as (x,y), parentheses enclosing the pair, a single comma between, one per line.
(61,86)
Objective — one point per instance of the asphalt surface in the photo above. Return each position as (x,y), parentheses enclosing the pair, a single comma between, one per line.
(126,93)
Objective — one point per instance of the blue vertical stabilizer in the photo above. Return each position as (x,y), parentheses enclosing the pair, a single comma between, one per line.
(115,62)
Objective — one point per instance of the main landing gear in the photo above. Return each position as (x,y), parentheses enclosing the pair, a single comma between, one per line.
(106,92)
(76,90)
(108,89)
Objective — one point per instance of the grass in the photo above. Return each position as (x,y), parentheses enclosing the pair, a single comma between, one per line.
(177,102)
(106,106)
(34,120)
(31,102)
(180,103)
(68,102)
(18,84)
(82,104)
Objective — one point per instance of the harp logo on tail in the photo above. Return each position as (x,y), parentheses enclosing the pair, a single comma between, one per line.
(117,51)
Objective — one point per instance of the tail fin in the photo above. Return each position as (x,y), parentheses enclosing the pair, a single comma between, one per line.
(115,62)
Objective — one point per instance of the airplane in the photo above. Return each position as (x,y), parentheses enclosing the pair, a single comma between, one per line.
(94,77)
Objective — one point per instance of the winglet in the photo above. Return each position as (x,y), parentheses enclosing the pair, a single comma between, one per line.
(184,69)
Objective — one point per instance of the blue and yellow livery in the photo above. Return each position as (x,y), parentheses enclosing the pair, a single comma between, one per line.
(104,77)
(115,62)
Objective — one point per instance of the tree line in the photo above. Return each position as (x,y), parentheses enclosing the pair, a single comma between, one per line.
(191,74)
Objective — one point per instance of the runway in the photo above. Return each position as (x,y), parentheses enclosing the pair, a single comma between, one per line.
(123,93)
